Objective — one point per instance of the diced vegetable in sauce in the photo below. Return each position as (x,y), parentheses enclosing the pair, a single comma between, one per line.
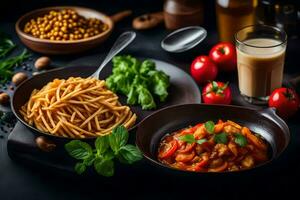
(209,147)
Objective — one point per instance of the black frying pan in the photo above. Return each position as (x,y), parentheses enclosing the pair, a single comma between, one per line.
(264,122)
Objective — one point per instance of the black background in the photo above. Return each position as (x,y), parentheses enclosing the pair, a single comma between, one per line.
(19,181)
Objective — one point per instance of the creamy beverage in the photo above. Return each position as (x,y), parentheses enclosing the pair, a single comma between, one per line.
(260,66)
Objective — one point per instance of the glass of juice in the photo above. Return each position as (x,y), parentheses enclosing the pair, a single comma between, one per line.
(260,61)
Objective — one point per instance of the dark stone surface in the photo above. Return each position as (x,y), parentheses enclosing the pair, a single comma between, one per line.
(25,180)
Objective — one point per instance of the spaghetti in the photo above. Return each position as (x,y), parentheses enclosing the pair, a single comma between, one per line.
(76,108)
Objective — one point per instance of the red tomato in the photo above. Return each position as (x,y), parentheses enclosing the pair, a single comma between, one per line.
(216,93)
(286,102)
(168,149)
(203,69)
(185,157)
(224,56)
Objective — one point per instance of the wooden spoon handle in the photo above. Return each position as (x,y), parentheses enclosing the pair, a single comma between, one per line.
(120,15)
(148,21)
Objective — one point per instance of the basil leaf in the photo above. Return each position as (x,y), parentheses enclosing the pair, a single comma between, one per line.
(209,126)
(101,144)
(189,138)
(130,153)
(108,155)
(201,141)
(221,138)
(78,149)
(118,138)
(89,160)
(240,140)
(80,168)
(104,167)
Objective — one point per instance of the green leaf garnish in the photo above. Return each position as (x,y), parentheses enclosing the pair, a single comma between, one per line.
(209,126)
(130,153)
(221,138)
(107,148)
(189,138)
(240,140)
(80,168)
(118,138)
(201,141)
(101,144)
(104,167)
(78,149)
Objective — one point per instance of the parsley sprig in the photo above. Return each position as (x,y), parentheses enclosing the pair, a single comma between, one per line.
(107,149)
(7,65)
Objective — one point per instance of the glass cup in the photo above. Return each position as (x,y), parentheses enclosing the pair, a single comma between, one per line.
(260,61)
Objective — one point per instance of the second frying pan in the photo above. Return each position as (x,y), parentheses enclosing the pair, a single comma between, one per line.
(264,122)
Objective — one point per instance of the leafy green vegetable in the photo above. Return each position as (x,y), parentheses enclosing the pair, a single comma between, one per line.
(101,144)
(107,148)
(7,65)
(80,168)
(145,98)
(146,67)
(201,141)
(104,167)
(140,82)
(209,126)
(221,138)
(240,140)
(118,138)
(160,83)
(6,44)
(78,149)
(189,138)
(130,153)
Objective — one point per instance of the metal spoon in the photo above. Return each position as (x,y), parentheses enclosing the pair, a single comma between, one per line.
(183,39)
(123,41)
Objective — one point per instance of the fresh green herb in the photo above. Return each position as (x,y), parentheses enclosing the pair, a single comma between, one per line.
(107,148)
(104,167)
(6,45)
(130,154)
(139,81)
(80,168)
(209,126)
(221,138)
(201,141)
(78,149)
(240,140)
(189,138)
(7,65)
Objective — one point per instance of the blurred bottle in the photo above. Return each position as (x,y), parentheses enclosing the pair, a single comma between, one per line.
(285,14)
(232,15)
(181,13)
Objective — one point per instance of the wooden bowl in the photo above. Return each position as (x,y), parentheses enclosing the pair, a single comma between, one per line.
(46,46)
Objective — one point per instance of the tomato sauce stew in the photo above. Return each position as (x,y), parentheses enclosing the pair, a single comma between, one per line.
(210,147)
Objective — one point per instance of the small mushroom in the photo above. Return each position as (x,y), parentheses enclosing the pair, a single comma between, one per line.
(19,78)
(42,62)
(4,98)
(44,144)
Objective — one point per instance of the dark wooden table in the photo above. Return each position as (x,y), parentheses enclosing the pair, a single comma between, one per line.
(22,181)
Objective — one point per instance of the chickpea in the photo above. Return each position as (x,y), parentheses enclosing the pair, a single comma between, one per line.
(64,25)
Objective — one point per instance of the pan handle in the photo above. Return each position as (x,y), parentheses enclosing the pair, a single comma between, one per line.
(120,15)
(270,113)
(45,144)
